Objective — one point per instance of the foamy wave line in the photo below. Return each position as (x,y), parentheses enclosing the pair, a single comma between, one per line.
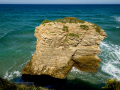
(10,75)
(32,53)
(117,18)
(112,50)
(112,59)
(117,27)
(111,70)
(78,72)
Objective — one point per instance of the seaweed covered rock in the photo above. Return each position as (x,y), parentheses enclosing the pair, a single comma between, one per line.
(64,43)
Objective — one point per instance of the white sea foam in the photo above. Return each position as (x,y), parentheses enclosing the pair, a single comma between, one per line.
(32,53)
(111,70)
(76,71)
(110,64)
(23,64)
(117,27)
(111,54)
(16,73)
(79,73)
(113,51)
(11,75)
(117,18)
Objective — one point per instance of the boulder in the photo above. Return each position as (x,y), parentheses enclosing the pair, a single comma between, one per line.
(64,43)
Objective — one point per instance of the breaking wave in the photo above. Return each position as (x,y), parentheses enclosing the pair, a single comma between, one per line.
(117,18)
(108,68)
(11,75)
(111,57)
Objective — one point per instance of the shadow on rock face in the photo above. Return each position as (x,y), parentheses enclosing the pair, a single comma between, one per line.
(59,84)
(41,80)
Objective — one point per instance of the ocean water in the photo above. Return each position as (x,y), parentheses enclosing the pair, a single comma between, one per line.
(18,43)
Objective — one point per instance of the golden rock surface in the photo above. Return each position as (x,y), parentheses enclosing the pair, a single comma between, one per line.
(60,46)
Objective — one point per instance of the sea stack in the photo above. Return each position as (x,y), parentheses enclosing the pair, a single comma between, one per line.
(63,44)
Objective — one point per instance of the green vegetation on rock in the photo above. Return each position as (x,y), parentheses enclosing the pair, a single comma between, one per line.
(111,84)
(65,20)
(97,28)
(65,28)
(50,24)
(52,32)
(66,40)
(56,27)
(73,20)
(7,85)
(45,21)
(72,35)
(85,27)
(60,20)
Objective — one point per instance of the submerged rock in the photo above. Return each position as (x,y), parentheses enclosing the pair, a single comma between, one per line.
(64,43)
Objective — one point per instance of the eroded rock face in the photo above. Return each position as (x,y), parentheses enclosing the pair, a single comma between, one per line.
(60,46)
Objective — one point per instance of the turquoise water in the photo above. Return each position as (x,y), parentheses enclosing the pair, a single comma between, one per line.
(18,43)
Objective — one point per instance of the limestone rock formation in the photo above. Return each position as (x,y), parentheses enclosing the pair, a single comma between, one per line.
(64,43)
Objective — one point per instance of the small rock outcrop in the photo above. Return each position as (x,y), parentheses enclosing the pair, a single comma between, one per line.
(64,43)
